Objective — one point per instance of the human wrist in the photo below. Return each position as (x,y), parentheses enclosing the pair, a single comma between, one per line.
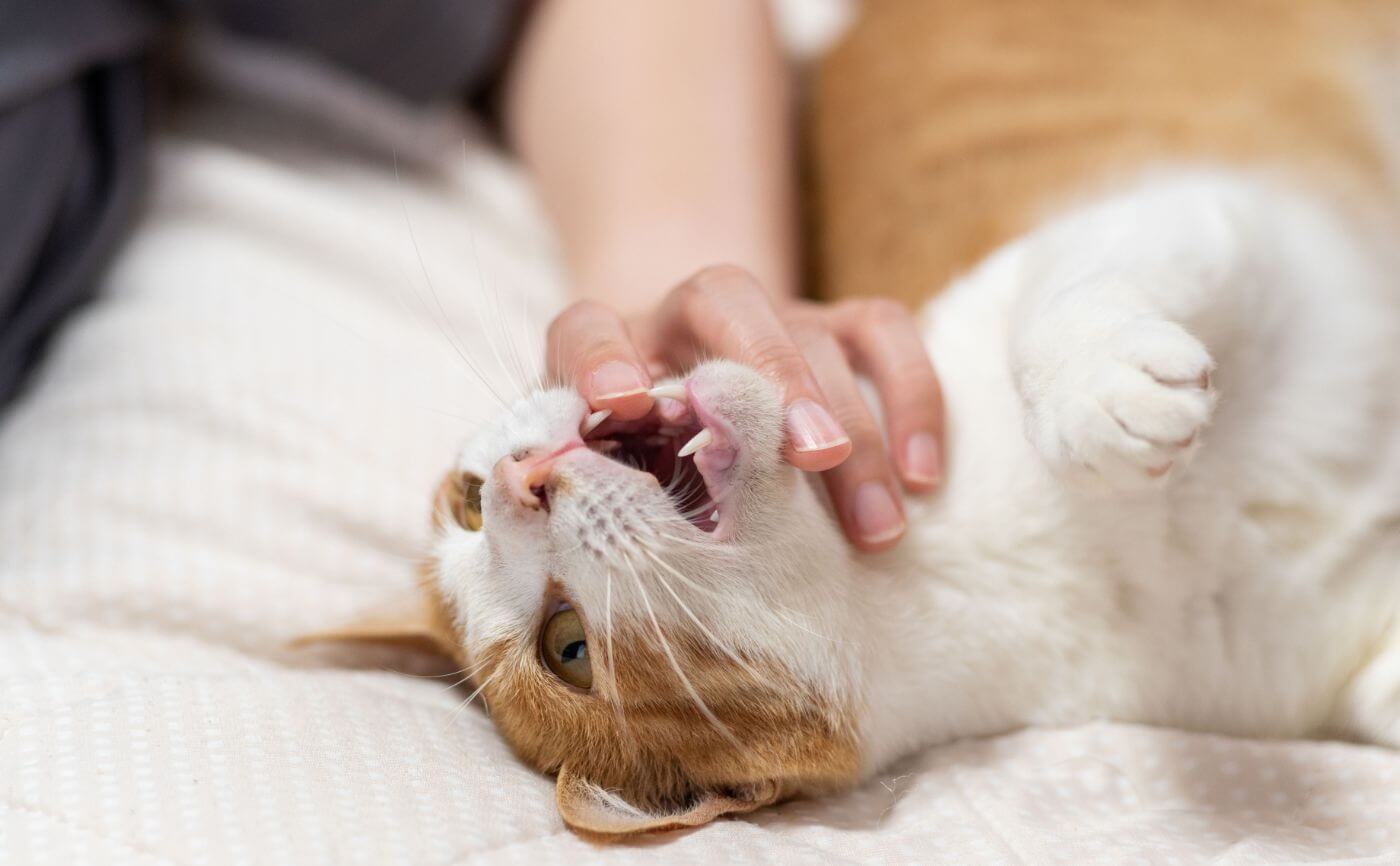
(633,279)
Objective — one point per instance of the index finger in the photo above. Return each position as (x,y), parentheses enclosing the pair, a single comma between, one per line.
(589,345)
(722,310)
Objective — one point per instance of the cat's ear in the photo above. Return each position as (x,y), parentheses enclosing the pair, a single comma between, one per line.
(588,808)
(416,621)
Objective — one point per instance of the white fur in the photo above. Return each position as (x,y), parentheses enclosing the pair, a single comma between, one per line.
(1117,538)
(1242,592)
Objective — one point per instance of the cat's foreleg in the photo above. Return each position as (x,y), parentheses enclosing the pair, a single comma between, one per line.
(1124,307)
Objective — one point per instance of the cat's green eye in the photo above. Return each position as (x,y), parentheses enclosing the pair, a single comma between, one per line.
(564,647)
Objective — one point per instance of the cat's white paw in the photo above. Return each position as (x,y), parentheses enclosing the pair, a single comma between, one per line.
(1123,406)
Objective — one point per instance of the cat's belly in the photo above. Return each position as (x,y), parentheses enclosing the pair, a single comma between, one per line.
(1242,596)
(1207,622)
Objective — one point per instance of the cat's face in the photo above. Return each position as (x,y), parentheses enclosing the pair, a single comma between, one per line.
(658,630)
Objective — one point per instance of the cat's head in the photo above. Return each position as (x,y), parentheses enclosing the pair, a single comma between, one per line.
(657,630)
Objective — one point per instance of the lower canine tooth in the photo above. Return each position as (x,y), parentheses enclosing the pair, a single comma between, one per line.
(714,516)
(703,438)
(675,392)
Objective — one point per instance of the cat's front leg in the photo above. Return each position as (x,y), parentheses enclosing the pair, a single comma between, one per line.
(1124,307)
(1121,401)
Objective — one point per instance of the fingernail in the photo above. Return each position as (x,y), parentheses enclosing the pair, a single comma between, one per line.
(877,517)
(811,427)
(617,379)
(922,462)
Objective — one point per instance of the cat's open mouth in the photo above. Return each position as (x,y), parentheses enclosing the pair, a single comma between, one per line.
(688,449)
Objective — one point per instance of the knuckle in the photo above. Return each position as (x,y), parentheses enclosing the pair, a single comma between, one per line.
(719,281)
(580,319)
(868,462)
(865,435)
(806,328)
(556,328)
(774,354)
(913,407)
(584,337)
(913,417)
(587,309)
(576,314)
(885,311)
(913,373)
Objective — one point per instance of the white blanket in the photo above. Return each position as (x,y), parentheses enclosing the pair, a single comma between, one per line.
(237,444)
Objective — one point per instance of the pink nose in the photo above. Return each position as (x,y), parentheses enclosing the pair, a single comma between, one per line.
(525,475)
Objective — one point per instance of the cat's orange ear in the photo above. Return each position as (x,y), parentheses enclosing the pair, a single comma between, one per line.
(417,621)
(590,809)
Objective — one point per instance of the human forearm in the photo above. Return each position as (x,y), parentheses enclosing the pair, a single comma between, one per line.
(659,136)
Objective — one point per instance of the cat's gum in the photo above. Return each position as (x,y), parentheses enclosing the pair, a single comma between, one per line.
(717,460)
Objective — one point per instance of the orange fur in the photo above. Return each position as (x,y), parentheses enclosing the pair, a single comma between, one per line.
(942,129)
(640,733)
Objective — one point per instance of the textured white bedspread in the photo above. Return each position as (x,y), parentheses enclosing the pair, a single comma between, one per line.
(237,445)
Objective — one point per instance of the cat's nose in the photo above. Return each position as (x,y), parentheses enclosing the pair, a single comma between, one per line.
(525,474)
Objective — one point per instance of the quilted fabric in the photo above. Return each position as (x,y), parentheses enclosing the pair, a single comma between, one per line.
(237,445)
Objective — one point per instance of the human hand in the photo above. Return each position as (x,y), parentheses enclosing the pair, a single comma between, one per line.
(812,351)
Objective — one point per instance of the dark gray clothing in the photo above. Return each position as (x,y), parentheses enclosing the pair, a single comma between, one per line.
(75,96)
(72,133)
(421,49)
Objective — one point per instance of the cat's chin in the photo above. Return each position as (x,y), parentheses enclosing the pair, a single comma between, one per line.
(687,447)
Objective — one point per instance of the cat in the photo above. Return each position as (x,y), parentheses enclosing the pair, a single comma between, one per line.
(1172,494)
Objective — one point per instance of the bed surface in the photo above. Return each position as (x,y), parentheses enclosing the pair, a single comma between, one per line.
(236,446)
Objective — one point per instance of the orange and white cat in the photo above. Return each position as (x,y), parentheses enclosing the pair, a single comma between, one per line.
(1172,496)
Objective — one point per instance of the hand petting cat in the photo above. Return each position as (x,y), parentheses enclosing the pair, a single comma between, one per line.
(814,352)
(661,161)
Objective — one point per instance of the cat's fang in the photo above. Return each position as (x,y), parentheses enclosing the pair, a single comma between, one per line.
(674,391)
(593,420)
(700,440)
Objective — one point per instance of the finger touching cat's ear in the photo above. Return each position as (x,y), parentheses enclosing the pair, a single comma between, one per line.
(418,621)
(589,809)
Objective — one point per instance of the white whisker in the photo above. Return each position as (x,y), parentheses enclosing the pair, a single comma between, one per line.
(615,690)
(471,697)
(512,349)
(699,702)
(441,325)
(535,350)
(488,323)
(774,607)
(723,647)
(473,672)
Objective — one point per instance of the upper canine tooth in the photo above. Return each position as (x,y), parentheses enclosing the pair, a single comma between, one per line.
(592,421)
(703,438)
(673,391)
